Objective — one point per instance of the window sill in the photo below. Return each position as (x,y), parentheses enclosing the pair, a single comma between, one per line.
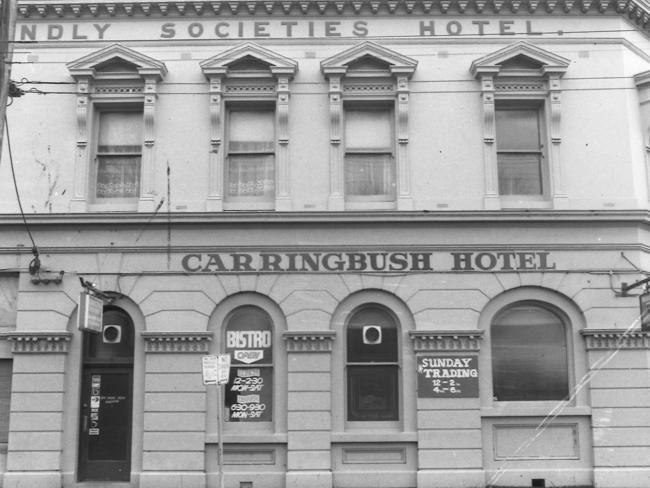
(374,436)
(247,439)
(369,205)
(234,206)
(530,410)
(113,207)
(523,201)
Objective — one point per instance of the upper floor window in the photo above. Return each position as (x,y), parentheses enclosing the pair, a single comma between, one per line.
(372,366)
(369,158)
(118,155)
(369,94)
(530,359)
(520,154)
(249,109)
(250,163)
(521,132)
(116,101)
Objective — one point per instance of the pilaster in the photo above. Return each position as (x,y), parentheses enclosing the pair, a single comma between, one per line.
(619,386)
(560,197)
(37,406)
(447,426)
(404,198)
(216,158)
(309,409)
(174,410)
(336,198)
(147,171)
(78,201)
(491,200)
(282,197)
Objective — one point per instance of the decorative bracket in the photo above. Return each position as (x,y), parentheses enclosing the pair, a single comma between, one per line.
(37,342)
(309,341)
(177,342)
(599,339)
(446,340)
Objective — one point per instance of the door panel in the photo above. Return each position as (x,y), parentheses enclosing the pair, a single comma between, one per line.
(105,433)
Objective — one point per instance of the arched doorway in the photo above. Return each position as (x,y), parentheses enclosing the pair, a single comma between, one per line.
(106,400)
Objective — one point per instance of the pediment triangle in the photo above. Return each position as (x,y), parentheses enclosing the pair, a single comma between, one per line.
(521,56)
(114,58)
(248,63)
(116,64)
(367,56)
(520,61)
(368,63)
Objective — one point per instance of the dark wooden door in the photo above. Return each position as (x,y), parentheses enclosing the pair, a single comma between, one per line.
(105,430)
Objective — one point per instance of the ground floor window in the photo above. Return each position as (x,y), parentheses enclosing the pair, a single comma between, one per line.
(372,366)
(249,340)
(529,354)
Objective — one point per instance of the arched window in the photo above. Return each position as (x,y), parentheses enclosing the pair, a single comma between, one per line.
(529,354)
(372,366)
(249,340)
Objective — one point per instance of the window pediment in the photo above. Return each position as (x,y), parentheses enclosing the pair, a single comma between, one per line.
(520,59)
(116,62)
(368,59)
(246,60)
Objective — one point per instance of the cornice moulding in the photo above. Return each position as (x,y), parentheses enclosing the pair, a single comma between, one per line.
(37,342)
(354,217)
(614,339)
(636,10)
(177,342)
(446,340)
(320,341)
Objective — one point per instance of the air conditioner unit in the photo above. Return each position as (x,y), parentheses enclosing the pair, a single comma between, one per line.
(371,334)
(111,334)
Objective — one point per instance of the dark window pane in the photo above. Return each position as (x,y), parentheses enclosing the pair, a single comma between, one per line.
(369,174)
(113,434)
(249,341)
(520,173)
(251,176)
(372,393)
(120,351)
(118,177)
(529,355)
(249,394)
(517,130)
(5,398)
(385,351)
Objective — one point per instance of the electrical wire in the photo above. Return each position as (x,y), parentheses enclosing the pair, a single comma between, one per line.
(412,92)
(25,81)
(35,264)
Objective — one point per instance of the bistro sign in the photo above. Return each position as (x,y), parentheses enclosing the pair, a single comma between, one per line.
(365,261)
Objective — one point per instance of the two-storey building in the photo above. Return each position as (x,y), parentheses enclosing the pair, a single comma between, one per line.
(414,225)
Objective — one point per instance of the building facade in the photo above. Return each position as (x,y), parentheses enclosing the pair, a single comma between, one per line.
(419,229)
